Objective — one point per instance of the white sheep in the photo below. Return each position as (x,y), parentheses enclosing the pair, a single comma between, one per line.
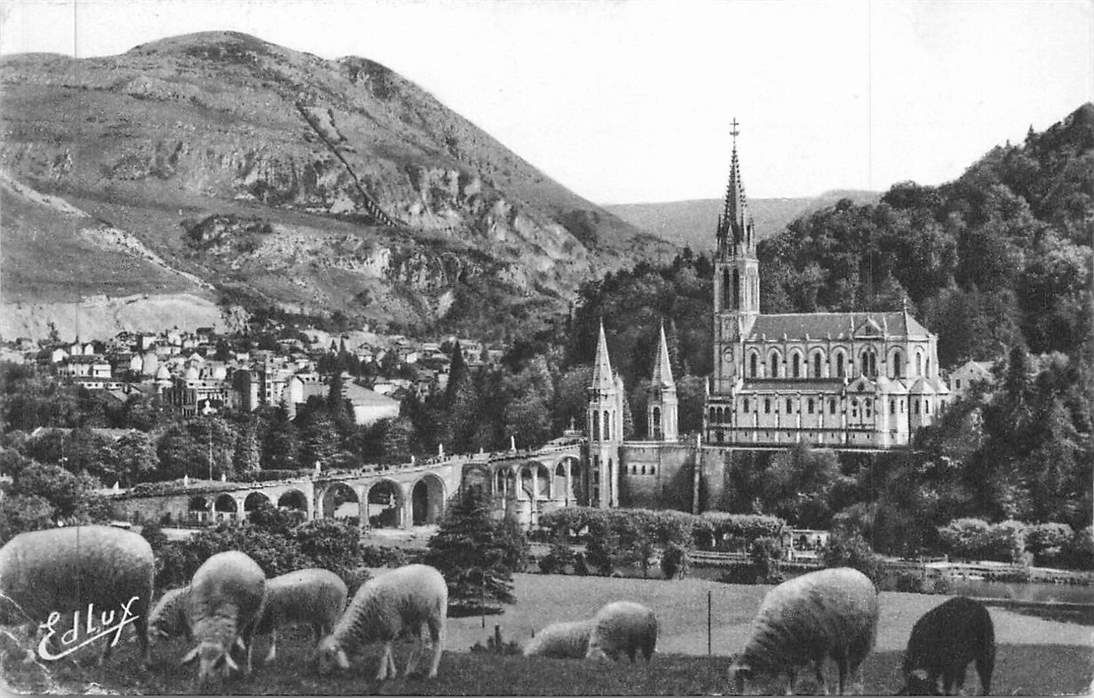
(65,570)
(384,608)
(169,617)
(313,596)
(224,605)
(623,627)
(828,613)
(561,640)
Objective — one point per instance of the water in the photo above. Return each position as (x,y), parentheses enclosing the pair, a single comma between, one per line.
(1030,592)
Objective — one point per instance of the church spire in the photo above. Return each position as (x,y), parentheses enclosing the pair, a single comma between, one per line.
(735,211)
(662,367)
(602,369)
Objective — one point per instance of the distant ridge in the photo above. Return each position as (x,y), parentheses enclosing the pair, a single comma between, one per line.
(691,222)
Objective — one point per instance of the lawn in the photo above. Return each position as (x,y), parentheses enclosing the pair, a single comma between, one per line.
(1036,656)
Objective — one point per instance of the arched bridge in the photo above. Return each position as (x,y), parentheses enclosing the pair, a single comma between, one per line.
(523,483)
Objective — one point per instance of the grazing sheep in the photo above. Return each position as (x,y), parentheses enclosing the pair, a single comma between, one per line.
(623,627)
(313,596)
(828,613)
(64,570)
(384,608)
(224,606)
(561,640)
(169,617)
(943,642)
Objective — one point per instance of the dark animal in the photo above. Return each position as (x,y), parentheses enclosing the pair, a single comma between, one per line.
(942,644)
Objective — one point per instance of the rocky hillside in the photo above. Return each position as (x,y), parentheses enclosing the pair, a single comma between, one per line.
(244,172)
(692,222)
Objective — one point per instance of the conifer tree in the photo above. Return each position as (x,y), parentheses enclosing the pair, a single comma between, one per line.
(476,554)
(248,456)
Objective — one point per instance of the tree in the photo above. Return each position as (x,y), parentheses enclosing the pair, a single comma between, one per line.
(799,485)
(24,512)
(398,440)
(247,457)
(280,448)
(135,458)
(476,554)
(65,492)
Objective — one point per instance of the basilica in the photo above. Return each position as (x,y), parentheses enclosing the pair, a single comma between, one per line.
(846,381)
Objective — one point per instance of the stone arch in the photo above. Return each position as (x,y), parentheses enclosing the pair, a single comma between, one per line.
(427,500)
(224,506)
(505,482)
(535,481)
(293,499)
(198,509)
(477,477)
(385,504)
(868,362)
(255,500)
(339,501)
(774,358)
(570,466)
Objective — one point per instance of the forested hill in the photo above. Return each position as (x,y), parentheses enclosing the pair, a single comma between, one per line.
(999,256)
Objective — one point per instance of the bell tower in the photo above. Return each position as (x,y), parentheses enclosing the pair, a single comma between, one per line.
(662,403)
(605,429)
(736,280)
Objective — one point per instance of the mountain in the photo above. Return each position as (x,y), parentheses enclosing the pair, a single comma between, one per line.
(224,169)
(692,222)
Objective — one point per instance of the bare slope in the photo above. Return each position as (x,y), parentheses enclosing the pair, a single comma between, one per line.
(285,179)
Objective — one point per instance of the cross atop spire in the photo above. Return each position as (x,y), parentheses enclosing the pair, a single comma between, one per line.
(735,212)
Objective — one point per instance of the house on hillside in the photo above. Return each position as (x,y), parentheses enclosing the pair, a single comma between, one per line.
(963,377)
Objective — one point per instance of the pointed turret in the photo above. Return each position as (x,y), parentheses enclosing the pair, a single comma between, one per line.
(602,368)
(735,223)
(661,404)
(662,367)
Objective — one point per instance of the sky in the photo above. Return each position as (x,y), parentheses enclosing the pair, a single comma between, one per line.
(631,100)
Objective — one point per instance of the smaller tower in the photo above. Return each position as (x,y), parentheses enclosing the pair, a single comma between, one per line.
(661,406)
(605,429)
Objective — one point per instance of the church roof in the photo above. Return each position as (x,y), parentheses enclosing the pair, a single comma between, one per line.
(602,368)
(837,326)
(662,367)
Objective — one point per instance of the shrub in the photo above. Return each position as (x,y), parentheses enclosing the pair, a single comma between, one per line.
(976,539)
(1047,542)
(383,556)
(765,553)
(675,562)
(851,550)
(737,531)
(964,537)
(1080,550)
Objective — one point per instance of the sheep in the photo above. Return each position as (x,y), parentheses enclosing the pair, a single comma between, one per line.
(828,613)
(64,570)
(384,608)
(225,603)
(561,640)
(623,627)
(313,596)
(943,642)
(169,617)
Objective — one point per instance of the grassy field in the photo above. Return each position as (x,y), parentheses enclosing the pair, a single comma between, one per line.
(1036,656)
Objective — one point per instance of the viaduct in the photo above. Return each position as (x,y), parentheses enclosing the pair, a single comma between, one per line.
(523,483)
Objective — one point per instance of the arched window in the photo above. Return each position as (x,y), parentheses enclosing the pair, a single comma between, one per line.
(596,425)
(789,406)
(898,364)
(810,405)
(916,407)
(767,405)
(736,290)
(918,364)
(607,426)
(926,407)
(854,409)
(753,367)
(868,407)
(817,365)
(774,365)
(727,301)
(657,422)
(746,406)
(832,406)
(839,365)
(892,406)
(796,363)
